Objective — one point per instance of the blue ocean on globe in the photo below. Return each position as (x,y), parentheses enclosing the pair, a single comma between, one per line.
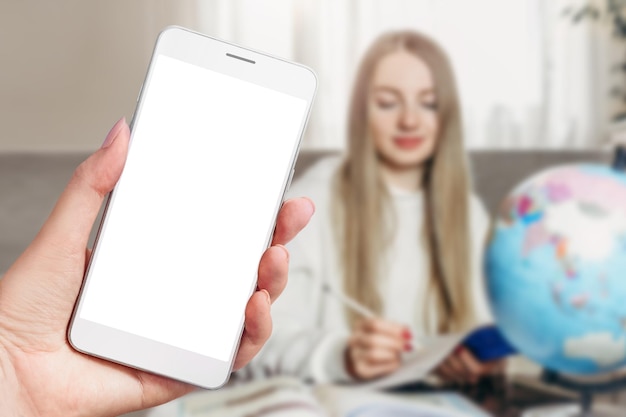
(555,266)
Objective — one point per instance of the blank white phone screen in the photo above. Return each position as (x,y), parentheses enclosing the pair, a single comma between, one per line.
(192,212)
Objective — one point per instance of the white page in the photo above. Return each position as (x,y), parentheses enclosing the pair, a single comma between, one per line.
(416,366)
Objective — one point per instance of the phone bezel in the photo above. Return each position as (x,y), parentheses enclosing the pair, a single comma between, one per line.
(141,353)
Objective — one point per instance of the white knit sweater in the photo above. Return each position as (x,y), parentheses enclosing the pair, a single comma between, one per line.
(310,325)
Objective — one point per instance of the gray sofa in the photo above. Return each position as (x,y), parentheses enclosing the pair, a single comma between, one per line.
(31,183)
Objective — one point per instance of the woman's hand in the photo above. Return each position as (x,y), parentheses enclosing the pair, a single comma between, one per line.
(40,374)
(461,367)
(375,348)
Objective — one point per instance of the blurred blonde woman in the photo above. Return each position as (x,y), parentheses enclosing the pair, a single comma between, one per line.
(396,229)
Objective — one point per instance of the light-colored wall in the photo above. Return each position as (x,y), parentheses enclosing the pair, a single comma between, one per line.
(70,68)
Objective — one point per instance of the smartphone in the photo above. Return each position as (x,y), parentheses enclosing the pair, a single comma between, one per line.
(488,344)
(214,140)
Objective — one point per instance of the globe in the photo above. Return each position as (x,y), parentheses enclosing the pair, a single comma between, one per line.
(555,266)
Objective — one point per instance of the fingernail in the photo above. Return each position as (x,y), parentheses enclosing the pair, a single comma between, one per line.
(312,204)
(267,296)
(114,133)
(406,334)
(408,347)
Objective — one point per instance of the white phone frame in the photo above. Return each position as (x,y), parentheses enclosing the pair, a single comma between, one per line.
(248,65)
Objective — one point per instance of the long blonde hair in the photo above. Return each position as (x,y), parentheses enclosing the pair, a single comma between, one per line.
(363,202)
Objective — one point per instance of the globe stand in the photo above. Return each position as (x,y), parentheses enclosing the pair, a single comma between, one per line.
(586,390)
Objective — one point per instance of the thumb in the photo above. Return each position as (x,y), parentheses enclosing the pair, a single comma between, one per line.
(67,230)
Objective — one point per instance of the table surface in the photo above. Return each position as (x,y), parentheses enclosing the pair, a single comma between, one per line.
(504,397)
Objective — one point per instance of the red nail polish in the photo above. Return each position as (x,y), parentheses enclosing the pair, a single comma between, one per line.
(408,347)
(406,334)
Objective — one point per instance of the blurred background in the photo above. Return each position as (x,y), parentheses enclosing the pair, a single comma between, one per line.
(542,82)
(533,74)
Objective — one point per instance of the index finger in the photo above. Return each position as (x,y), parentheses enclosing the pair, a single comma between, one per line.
(293,216)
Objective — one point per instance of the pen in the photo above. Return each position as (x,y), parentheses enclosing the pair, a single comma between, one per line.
(349,302)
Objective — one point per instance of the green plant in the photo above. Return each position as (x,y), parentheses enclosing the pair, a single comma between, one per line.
(614,14)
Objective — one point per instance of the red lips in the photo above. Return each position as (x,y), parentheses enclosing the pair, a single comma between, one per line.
(407,142)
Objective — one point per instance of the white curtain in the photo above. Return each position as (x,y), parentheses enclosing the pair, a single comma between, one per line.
(528,77)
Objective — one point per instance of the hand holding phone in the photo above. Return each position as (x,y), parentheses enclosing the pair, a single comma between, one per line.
(39,290)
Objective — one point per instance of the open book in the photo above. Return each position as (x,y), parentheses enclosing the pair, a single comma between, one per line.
(274,397)
(286,397)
